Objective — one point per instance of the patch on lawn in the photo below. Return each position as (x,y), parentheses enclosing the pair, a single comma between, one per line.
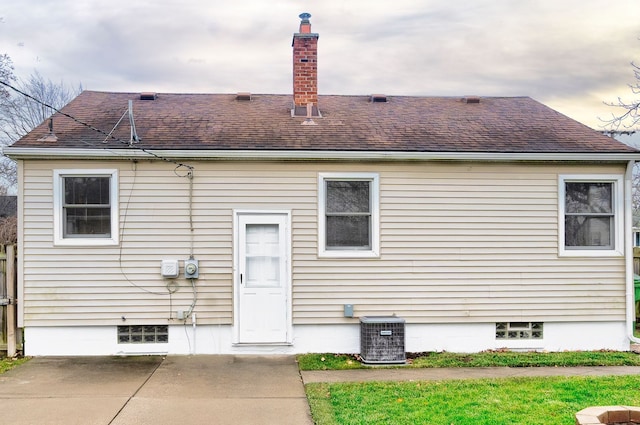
(7,363)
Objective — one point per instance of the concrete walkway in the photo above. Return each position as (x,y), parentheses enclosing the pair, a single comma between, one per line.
(436,374)
(185,390)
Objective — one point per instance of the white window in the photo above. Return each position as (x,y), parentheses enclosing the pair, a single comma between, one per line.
(348,215)
(591,221)
(85,207)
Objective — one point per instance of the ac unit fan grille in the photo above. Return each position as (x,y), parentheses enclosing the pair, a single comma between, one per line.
(382,340)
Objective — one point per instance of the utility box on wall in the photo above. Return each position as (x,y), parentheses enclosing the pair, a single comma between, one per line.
(382,340)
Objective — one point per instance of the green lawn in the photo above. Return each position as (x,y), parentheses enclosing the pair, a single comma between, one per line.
(527,401)
(483,359)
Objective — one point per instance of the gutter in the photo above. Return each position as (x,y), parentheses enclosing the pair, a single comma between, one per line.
(629,273)
(200,154)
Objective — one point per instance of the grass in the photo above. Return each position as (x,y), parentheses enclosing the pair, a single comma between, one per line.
(483,359)
(530,401)
(7,363)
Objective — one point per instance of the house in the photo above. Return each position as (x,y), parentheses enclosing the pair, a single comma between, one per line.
(261,223)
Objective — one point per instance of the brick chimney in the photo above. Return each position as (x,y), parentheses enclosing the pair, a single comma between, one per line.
(305,68)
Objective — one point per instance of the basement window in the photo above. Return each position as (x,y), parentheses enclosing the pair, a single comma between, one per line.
(519,330)
(143,334)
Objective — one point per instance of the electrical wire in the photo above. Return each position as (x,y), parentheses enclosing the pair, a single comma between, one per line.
(191,228)
(124,226)
(179,165)
(104,133)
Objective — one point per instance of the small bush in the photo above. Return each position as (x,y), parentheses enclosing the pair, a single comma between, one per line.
(8,230)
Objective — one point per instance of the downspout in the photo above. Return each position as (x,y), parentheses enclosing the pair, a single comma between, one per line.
(628,248)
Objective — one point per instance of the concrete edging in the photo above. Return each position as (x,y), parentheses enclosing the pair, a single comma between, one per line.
(598,415)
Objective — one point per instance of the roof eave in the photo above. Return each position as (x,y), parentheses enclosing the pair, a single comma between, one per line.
(66,153)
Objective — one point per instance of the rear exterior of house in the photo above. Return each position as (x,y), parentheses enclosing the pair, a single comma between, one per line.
(248,224)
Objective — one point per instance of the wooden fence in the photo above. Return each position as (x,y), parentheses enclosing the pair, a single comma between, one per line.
(9,340)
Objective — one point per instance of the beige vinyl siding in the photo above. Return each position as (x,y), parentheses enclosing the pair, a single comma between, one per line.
(465,243)
(459,242)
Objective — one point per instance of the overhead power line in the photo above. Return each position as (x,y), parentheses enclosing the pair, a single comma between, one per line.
(104,133)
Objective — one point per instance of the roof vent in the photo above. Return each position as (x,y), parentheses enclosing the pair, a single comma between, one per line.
(148,96)
(471,99)
(243,95)
(51,136)
(378,98)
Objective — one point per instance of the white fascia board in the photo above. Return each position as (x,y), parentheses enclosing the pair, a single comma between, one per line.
(51,153)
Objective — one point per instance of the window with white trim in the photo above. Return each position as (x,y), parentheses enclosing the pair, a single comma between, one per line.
(348,215)
(85,207)
(591,215)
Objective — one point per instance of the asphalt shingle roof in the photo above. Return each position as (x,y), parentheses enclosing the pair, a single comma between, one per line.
(348,123)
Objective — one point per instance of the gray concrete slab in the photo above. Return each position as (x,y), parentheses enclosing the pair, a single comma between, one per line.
(78,376)
(221,390)
(70,391)
(64,410)
(218,411)
(155,390)
(225,377)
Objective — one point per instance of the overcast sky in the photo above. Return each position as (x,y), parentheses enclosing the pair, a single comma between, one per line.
(569,54)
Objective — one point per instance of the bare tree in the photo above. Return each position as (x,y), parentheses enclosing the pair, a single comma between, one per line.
(627,123)
(630,118)
(6,74)
(20,114)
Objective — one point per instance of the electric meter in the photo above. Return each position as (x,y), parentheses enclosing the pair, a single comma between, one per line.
(191,269)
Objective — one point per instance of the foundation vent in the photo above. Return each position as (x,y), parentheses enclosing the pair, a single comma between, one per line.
(243,96)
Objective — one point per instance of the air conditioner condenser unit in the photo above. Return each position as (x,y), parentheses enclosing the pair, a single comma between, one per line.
(382,340)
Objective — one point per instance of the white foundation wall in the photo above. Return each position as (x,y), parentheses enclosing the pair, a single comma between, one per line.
(218,339)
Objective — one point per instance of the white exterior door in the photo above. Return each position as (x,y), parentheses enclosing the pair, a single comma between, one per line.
(262,278)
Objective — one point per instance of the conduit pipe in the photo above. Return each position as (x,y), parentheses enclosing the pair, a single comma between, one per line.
(193,322)
(628,252)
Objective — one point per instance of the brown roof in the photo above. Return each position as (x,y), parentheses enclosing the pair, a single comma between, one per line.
(348,123)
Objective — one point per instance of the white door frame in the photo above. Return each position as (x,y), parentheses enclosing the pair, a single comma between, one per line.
(236,267)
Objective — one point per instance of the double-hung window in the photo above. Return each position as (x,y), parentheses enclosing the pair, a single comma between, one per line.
(85,207)
(348,215)
(591,215)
